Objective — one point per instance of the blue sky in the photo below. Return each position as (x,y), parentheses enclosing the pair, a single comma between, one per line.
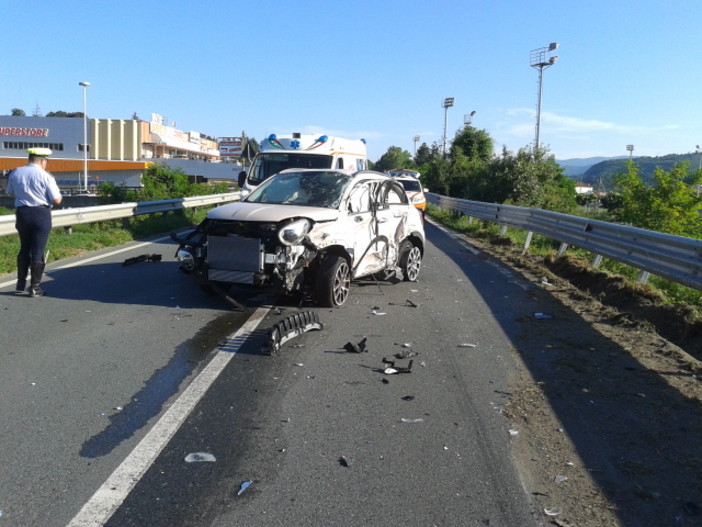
(628,72)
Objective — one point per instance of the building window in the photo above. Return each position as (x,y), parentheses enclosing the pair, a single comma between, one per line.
(19,145)
(80,147)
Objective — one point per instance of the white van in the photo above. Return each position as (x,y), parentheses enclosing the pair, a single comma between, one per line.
(298,150)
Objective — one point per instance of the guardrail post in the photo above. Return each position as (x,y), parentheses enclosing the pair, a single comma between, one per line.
(596,261)
(503,230)
(527,242)
(68,229)
(643,277)
(562,249)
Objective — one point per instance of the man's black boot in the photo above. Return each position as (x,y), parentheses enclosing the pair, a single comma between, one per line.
(37,272)
(22,271)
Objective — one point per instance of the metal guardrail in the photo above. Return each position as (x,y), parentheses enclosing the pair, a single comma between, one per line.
(675,258)
(80,215)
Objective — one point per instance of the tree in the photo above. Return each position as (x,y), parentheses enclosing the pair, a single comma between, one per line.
(249,146)
(18,112)
(670,205)
(61,113)
(395,157)
(424,155)
(530,178)
(162,182)
(475,144)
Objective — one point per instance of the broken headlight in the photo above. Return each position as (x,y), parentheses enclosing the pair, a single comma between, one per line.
(294,232)
(186,259)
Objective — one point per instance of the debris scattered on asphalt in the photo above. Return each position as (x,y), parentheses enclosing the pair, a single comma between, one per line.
(555,511)
(467,345)
(376,312)
(142,258)
(357,348)
(412,421)
(391,368)
(514,432)
(344,462)
(406,354)
(291,327)
(200,457)
(542,316)
(407,345)
(407,303)
(560,479)
(408,398)
(245,485)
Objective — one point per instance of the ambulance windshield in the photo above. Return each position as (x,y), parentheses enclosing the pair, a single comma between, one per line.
(267,164)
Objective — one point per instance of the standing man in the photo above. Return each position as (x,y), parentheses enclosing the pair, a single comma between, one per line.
(35,191)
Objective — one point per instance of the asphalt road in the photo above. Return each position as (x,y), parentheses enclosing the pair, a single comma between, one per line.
(324,436)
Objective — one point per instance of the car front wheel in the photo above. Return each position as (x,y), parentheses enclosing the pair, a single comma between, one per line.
(410,261)
(334,282)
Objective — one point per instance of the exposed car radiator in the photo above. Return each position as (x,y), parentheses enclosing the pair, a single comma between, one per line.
(234,259)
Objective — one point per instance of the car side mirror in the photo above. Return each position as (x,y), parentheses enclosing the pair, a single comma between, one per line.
(242,179)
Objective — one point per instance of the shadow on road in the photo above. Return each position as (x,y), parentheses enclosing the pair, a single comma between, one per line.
(635,433)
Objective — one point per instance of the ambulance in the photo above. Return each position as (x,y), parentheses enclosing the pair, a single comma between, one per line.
(281,152)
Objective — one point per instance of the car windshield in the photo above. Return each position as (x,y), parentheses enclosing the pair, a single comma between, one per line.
(411,185)
(306,188)
(267,164)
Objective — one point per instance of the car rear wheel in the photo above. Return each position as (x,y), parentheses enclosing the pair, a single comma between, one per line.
(334,281)
(410,261)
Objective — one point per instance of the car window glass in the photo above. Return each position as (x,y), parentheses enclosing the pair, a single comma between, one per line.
(394,196)
(359,199)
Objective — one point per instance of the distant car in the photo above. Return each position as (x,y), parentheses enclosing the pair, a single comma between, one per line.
(308,231)
(409,179)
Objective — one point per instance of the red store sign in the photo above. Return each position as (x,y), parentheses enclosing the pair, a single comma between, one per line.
(31,132)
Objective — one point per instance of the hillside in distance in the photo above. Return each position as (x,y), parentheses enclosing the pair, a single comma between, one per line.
(601,173)
(576,167)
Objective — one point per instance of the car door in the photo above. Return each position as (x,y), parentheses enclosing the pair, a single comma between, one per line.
(392,208)
(369,250)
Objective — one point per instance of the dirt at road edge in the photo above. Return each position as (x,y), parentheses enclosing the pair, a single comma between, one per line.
(606,412)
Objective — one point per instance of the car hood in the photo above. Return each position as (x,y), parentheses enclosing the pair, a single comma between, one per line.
(243,211)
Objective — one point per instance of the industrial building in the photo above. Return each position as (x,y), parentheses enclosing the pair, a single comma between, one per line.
(118,150)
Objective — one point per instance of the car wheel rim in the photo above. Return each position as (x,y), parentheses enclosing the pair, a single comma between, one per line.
(342,283)
(414,262)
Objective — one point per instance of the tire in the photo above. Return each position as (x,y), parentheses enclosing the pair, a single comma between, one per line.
(334,281)
(410,261)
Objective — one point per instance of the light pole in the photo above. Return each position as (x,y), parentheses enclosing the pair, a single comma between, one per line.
(538,60)
(416,140)
(699,168)
(85,85)
(630,149)
(448,102)
(468,118)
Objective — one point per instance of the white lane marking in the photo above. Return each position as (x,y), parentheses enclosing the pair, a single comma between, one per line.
(93,258)
(98,510)
(497,265)
(453,235)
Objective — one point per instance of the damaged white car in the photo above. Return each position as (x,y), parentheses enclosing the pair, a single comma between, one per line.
(308,232)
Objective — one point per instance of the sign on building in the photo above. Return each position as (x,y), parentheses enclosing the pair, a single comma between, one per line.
(230,146)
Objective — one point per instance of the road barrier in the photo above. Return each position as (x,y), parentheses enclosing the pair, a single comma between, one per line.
(80,215)
(675,258)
